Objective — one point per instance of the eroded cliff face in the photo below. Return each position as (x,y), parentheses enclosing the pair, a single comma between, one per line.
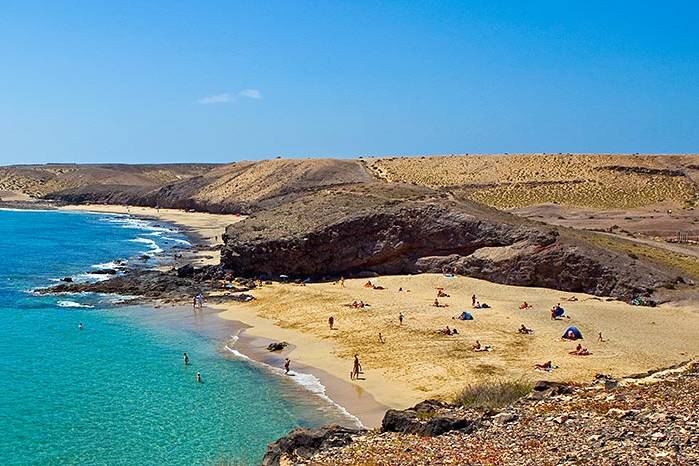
(348,232)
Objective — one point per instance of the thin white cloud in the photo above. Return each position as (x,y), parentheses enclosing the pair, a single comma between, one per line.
(250,93)
(228,97)
(217,99)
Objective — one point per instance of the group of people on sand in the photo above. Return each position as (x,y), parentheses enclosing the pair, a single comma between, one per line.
(448,331)
(198,301)
(368,284)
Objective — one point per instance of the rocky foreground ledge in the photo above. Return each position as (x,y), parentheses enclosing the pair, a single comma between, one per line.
(650,419)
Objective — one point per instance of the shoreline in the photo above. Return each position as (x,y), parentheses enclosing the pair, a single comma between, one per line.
(205,230)
(367,401)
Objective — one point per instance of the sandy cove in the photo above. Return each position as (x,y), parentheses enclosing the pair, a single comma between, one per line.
(416,362)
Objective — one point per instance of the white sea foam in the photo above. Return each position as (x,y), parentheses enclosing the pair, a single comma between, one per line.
(154,248)
(110,265)
(126,221)
(176,240)
(308,381)
(91,277)
(72,304)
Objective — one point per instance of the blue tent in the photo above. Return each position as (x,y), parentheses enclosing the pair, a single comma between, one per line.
(559,311)
(572,333)
(466,316)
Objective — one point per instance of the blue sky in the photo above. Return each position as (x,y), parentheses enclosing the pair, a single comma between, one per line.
(203,81)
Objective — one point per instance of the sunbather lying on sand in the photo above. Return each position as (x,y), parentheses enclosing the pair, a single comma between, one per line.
(525,330)
(525,305)
(481,305)
(545,367)
(448,331)
(442,294)
(480,348)
(436,303)
(580,351)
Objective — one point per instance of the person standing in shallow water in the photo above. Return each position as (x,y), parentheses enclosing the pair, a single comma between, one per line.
(80,326)
(186,359)
(199,377)
(286,365)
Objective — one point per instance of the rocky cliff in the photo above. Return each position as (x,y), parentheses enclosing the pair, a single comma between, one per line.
(408,229)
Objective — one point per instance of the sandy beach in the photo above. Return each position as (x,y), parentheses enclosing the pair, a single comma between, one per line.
(415,362)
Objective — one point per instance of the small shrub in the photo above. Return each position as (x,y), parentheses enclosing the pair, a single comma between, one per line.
(493,394)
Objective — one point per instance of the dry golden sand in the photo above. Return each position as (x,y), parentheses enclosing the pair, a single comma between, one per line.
(416,363)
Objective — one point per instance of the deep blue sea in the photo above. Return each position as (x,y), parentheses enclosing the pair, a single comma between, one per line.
(117,391)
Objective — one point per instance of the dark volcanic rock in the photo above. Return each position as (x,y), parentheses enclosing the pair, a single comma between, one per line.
(429,419)
(103,272)
(349,233)
(145,283)
(304,443)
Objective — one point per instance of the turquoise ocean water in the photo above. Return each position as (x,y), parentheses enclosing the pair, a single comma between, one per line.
(117,392)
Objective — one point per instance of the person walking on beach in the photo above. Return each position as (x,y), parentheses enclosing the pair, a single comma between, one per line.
(356,368)
(400,318)
(331,322)
(199,377)
(473,300)
(342,282)
(381,340)
(286,365)
(186,359)
(194,303)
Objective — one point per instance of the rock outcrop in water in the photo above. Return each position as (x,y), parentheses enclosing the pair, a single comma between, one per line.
(411,230)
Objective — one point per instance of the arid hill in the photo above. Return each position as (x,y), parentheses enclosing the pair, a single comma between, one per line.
(577,180)
(231,188)
(501,181)
(45,180)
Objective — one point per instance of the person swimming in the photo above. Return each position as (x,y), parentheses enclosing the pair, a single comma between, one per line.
(80,326)
(186,359)
(199,377)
